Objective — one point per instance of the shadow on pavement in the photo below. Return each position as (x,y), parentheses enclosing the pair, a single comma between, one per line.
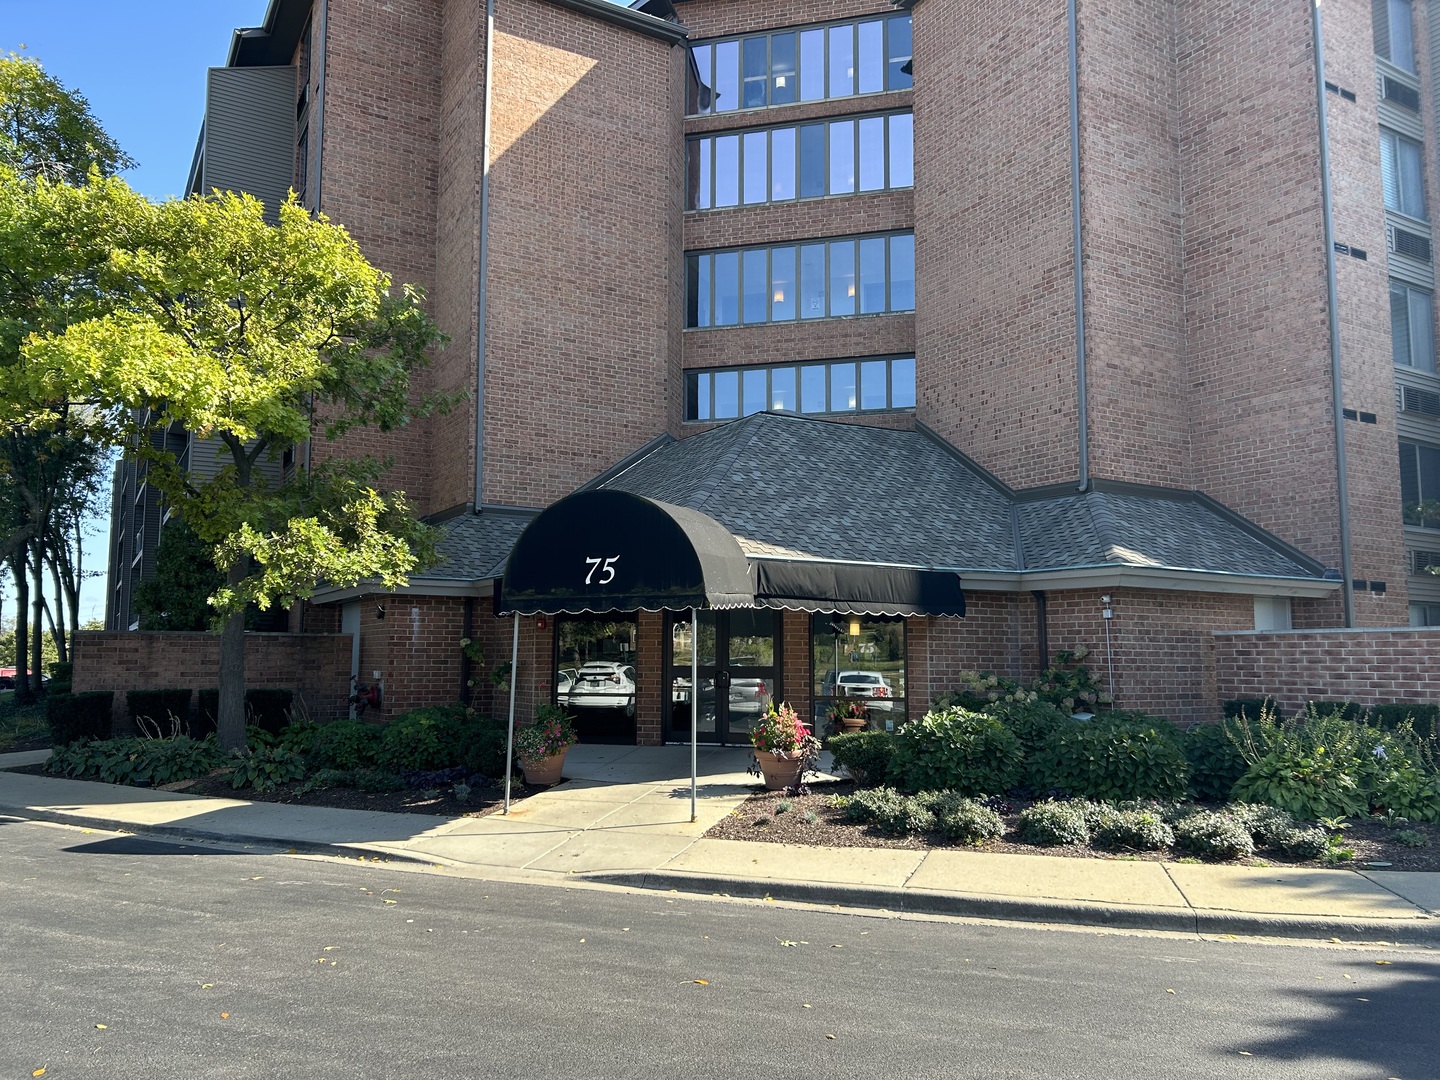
(1357,1020)
(133,845)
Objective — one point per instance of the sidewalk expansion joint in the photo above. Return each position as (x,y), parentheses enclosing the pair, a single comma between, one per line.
(1194,913)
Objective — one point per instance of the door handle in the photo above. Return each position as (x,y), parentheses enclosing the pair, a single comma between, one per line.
(722,679)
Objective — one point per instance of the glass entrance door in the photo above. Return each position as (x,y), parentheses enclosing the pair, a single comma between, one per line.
(738,652)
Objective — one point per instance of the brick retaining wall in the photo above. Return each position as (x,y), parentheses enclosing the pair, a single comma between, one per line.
(1371,667)
(315,666)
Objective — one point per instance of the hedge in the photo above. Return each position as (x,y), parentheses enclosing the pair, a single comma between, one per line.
(78,717)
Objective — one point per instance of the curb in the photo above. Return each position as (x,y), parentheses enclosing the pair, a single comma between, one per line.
(180,832)
(1421,930)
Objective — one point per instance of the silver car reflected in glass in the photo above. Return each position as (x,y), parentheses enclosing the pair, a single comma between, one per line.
(602,684)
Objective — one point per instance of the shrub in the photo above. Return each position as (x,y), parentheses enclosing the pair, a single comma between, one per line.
(979,689)
(1411,838)
(1052,823)
(268,710)
(1408,791)
(1309,842)
(1214,833)
(1423,717)
(423,739)
(891,812)
(299,736)
(1031,722)
(482,747)
(75,717)
(1112,760)
(265,709)
(376,781)
(61,675)
(956,750)
(1141,830)
(864,755)
(1315,766)
(1344,710)
(345,745)
(1249,708)
(158,707)
(1269,825)
(267,769)
(1215,760)
(966,821)
(138,760)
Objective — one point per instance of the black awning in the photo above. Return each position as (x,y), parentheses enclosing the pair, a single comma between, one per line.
(613,551)
(855,589)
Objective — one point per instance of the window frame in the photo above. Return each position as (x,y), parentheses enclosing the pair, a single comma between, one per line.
(1412,320)
(1431,491)
(696,263)
(1399,139)
(893,78)
(703,161)
(699,387)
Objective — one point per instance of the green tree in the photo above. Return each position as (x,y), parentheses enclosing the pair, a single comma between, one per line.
(257,336)
(178,596)
(49,472)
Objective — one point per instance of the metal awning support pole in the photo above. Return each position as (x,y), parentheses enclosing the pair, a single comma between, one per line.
(694,702)
(514,678)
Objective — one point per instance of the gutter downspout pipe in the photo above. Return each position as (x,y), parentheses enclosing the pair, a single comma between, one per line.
(1336,385)
(483,258)
(1081,403)
(320,105)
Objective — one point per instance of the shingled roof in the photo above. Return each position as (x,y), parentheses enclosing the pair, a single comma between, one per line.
(794,487)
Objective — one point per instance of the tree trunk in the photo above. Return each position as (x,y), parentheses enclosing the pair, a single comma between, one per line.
(37,638)
(230,724)
(57,621)
(23,696)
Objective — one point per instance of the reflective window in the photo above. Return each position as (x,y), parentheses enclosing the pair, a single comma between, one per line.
(862,56)
(1412,334)
(595,674)
(1399,47)
(1420,484)
(871,275)
(873,153)
(836,386)
(1402,173)
(858,664)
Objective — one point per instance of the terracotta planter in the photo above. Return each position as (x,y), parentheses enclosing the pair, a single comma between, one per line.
(855,723)
(546,770)
(779,772)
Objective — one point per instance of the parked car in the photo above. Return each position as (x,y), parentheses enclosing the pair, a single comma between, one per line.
(564,680)
(863,684)
(603,684)
(748,696)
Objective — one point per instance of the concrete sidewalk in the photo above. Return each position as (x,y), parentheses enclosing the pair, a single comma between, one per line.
(623,818)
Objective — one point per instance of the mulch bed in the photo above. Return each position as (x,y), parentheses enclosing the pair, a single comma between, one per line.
(482,801)
(813,819)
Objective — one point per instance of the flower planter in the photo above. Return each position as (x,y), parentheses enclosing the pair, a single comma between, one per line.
(544,771)
(779,772)
(854,723)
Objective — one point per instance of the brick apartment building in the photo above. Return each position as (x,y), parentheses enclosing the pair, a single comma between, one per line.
(1113,317)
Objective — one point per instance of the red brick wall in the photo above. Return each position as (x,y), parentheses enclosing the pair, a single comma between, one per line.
(991,637)
(1377,536)
(1132,216)
(1255,315)
(995,315)
(382,101)
(315,666)
(585,249)
(1369,666)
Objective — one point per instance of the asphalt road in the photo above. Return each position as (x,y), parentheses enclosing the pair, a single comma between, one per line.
(133,958)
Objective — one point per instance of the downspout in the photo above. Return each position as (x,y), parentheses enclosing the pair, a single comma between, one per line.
(1080,388)
(484,255)
(1336,386)
(320,107)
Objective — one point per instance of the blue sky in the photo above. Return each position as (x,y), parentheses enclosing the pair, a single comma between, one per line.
(141,64)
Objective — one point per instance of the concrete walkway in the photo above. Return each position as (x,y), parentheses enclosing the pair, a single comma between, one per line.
(623,818)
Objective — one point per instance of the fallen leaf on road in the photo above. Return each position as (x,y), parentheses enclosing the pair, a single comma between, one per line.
(206,986)
(1168,991)
(789,944)
(1362,999)
(702,982)
(389,901)
(829,1036)
(41,1070)
(806,1006)
(224,1016)
(1383,963)
(1246,1053)
(99,1027)
(331,948)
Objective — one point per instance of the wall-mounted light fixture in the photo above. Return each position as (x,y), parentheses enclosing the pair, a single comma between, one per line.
(854,626)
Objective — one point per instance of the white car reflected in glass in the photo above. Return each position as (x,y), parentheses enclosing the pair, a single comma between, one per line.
(865,684)
(602,684)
